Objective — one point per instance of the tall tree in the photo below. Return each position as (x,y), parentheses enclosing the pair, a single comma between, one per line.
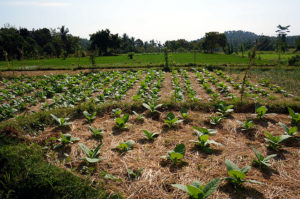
(104,41)
(213,40)
(281,44)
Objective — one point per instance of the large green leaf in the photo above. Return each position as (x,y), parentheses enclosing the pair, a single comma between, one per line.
(126,117)
(84,148)
(147,106)
(176,156)
(181,187)
(120,122)
(204,138)
(291,112)
(96,151)
(92,160)
(269,157)
(237,174)
(286,129)
(283,138)
(130,143)
(180,148)
(170,116)
(231,166)
(255,181)
(194,191)
(257,154)
(211,187)
(245,169)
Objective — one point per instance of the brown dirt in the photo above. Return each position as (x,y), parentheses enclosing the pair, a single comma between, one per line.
(201,93)
(133,91)
(281,181)
(166,90)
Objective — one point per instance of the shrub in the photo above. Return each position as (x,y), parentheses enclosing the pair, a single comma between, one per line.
(294,60)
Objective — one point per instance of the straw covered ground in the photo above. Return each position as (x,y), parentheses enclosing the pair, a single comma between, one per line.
(157,176)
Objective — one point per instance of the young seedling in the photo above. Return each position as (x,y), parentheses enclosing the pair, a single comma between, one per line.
(121,122)
(177,154)
(134,174)
(247,125)
(237,175)
(184,114)
(152,107)
(171,120)
(261,160)
(204,131)
(90,117)
(261,111)
(204,143)
(91,154)
(64,140)
(61,121)
(275,141)
(150,135)
(97,133)
(125,146)
(139,117)
(198,191)
(215,119)
(117,112)
(289,131)
(294,116)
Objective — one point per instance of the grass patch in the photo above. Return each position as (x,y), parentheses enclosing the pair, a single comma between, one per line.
(139,60)
(25,174)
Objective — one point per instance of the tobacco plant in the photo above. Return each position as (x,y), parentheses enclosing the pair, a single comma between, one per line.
(224,109)
(275,141)
(289,131)
(121,122)
(294,116)
(261,111)
(125,146)
(152,107)
(65,139)
(171,120)
(61,121)
(177,154)
(89,116)
(204,143)
(261,160)
(150,135)
(139,117)
(134,174)
(247,125)
(97,133)
(204,131)
(91,154)
(215,119)
(198,191)
(184,113)
(117,112)
(237,175)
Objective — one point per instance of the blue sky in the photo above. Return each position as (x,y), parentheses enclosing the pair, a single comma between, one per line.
(153,19)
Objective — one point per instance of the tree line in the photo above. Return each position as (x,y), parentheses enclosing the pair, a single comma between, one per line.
(48,43)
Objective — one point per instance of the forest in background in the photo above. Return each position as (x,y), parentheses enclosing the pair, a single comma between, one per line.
(41,43)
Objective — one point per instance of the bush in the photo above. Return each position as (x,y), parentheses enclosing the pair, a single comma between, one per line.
(130,55)
(294,61)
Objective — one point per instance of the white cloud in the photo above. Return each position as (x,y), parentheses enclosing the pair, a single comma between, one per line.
(39,3)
